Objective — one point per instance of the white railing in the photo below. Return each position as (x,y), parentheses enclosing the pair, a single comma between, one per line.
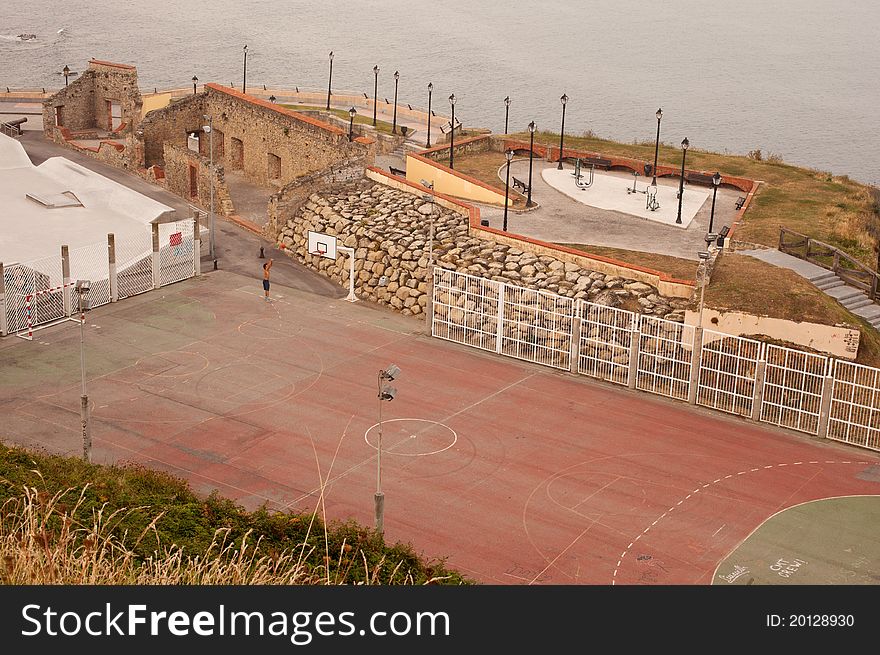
(134,265)
(764,382)
(728,372)
(855,405)
(606,342)
(665,355)
(176,252)
(794,383)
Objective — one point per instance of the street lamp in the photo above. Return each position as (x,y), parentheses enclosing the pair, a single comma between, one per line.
(386,394)
(375,91)
(82,289)
(564,101)
(244,73)
(351,113)
(394,121)
(684,148)
(659,115)
(452,131)
(209,130)
(509,156)
(704,279)
(532,128)
(430,275)
(506,112)
(716,182)
(430,91)
(66,71)
(330,80)
(195,82)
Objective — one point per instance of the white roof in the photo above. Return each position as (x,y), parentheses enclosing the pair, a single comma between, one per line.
(31,230)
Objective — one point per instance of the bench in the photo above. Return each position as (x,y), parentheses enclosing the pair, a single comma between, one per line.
(519,184)
(722,235)
(397,171)
(700,178)
(597,161)
(740,202)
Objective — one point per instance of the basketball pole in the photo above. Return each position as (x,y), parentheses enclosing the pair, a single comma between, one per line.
(350,252)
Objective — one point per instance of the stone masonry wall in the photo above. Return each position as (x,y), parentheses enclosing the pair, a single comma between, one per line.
(177,163)
(171,124)
(389,230)
(84,101)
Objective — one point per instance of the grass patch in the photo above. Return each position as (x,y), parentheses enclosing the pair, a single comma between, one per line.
(683,269)
(65,521)
(359,119)
(484,167)
(833,209)
(745,284)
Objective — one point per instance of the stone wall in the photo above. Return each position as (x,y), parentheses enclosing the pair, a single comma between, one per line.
(462,146)
(176,171)
(171,124)
(84,101)
(289,200)
(389,230)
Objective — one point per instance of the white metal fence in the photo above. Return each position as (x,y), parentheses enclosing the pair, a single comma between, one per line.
(37,293)
(176,252)
(783,386)
(728,372)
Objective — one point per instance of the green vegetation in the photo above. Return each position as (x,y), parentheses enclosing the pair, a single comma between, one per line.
(359,119)
(836,210)
(65,521)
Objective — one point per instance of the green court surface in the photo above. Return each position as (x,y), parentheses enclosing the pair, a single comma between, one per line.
(832,541)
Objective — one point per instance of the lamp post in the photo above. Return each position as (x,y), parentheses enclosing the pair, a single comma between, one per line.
(66,71)
(244,73)
(506,112)
(509,156)
(659,115)
(430,91)
(330,80)
(351,113)
(430,276)
(195,82)
(684,148)
(209,129)
(716,182)
(375,91)
(386,394)
(82,289)
(704,280)
(452,131)
(564,101)
(394,120)
(532,128)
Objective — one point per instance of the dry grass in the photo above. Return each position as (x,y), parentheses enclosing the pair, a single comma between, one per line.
(359,119)
(833,209)
(52,540)
(743,283)
(683,269)
(484,167)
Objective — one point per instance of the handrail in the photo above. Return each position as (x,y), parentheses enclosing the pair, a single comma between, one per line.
(855,273)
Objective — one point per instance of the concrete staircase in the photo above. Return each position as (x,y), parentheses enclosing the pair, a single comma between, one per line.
(853,299)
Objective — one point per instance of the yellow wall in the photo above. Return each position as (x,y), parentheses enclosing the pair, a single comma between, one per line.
(449,183)
(155,101)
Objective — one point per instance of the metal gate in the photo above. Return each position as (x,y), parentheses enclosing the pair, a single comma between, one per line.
(792,392)
(606,339)
(666,350)
(536,326)
(466,309)
(854,417)
(91,263)
(134,265)
(176,251)
(728,372)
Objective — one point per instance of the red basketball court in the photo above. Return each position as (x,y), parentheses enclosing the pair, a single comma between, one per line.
(516,473)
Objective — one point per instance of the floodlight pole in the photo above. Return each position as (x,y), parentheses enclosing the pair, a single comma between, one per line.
(379,497)
(350,252)
(85,422)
